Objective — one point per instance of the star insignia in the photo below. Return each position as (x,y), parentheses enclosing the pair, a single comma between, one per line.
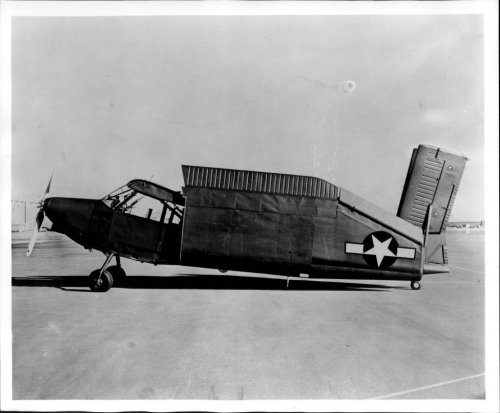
(379,249)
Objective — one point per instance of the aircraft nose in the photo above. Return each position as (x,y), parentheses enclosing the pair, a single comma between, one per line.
(46,204)
(71,216)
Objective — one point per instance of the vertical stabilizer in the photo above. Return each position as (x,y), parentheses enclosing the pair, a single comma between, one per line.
(433,178)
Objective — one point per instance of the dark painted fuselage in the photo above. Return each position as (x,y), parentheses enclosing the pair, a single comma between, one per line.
(236,230)
(95,225)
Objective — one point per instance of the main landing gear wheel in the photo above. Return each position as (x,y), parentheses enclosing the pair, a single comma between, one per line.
(415,285)
(118,274)
(100,284)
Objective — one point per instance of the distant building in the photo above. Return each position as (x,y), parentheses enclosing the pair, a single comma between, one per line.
(23,215)
(466,224)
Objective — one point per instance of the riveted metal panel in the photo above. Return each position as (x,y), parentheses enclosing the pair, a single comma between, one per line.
(255,236)
(307,206)
(326,208)
(222,199)
(380,216)
(323,252)
(145,232)
(248,201)
(288,204)
(269,232)
(302,242)
(270,203)
(353,227)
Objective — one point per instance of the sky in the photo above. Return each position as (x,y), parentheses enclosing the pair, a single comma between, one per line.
(98,101)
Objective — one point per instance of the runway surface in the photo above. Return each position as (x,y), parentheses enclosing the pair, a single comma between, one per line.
(188,333)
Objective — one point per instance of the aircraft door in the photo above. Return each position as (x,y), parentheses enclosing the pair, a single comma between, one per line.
(134,235)
(137,228)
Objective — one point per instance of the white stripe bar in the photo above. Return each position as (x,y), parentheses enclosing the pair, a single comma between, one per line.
(406,253)
(351,248)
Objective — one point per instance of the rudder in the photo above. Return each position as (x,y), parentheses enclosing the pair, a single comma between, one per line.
(433,178)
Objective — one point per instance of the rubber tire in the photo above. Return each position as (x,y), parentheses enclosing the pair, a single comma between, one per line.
(415,285)
(222,271)
(118,274)
(105,284)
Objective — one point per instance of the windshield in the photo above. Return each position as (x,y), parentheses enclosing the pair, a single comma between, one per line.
(127,200)
(117,197)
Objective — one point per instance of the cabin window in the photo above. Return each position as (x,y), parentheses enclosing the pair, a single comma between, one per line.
(127,200)
(143,206)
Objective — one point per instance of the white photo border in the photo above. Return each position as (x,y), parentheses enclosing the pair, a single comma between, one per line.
(489,11)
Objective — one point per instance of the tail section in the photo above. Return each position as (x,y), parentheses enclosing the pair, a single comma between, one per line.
(433,178)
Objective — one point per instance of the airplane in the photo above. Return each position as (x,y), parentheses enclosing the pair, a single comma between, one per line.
(271,223)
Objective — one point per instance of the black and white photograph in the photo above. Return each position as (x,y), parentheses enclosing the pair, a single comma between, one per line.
(233,206)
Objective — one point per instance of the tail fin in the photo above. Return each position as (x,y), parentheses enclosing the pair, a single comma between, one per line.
(433,178)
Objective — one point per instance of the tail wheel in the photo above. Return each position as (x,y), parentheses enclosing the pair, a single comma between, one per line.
(118,274)
(415,285)
(100,284)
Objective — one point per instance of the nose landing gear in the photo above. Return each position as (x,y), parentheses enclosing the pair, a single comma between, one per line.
(103,279)
(100,281)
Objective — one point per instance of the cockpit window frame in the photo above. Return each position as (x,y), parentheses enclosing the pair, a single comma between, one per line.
(156,191)
(127,196)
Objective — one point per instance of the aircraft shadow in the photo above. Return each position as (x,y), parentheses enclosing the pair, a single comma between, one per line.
(200,282)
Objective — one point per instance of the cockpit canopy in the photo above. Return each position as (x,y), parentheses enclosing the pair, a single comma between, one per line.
(156,191)
(146,199)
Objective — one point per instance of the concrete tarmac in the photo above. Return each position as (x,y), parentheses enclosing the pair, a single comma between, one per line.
(190,333)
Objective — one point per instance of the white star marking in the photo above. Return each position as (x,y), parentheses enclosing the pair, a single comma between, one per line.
(380,249)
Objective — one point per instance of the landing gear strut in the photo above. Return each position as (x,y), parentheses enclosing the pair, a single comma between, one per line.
(102,280)
(415,285)
(117,272)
